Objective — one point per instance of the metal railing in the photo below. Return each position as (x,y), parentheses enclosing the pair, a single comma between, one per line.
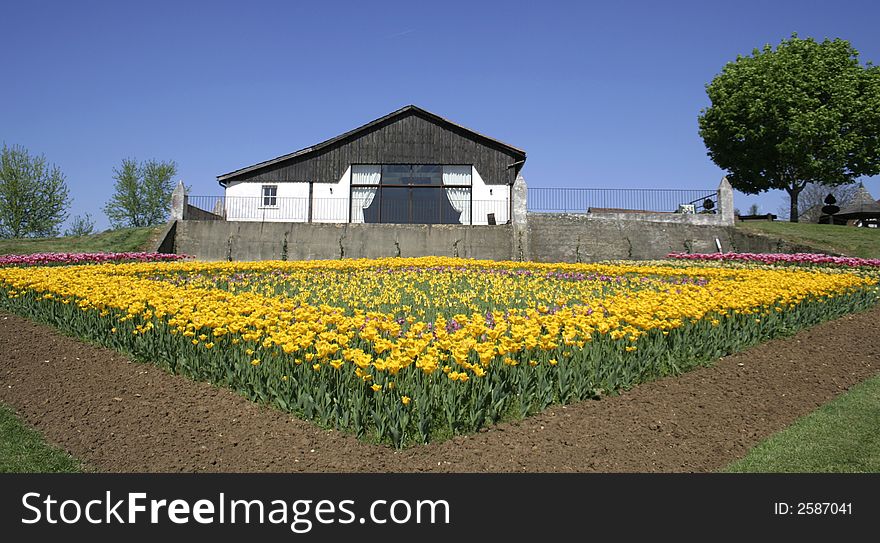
(340,210)
(576,200)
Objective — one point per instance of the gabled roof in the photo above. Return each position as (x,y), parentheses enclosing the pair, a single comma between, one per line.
(351,134)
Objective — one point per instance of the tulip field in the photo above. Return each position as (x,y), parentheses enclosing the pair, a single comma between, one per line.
(404,351)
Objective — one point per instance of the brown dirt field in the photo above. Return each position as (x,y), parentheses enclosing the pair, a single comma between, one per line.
(122,416)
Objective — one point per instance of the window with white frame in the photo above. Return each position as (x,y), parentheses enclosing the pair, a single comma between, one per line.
(270,196)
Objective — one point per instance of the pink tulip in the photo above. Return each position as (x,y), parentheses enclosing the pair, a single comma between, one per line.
(39,259)
(780,258)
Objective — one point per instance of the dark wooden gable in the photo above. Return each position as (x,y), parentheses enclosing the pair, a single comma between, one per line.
(409,136)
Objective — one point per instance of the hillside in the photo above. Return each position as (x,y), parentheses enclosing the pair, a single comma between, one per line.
(860,242)
(118,241)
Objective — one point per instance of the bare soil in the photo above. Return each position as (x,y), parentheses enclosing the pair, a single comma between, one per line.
(123,416)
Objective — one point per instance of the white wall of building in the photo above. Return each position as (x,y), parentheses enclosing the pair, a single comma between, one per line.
(330,204)
(489,199)
(330,200)
(244,202)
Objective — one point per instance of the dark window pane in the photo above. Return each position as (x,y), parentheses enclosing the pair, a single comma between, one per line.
(371,213)
(395,205)
(427,175)
(448,214)
(426,205)
(408,174)
(396,174)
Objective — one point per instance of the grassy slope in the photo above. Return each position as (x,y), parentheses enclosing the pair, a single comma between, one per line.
(122,240)
(838,437)
(860,242)
(23,450)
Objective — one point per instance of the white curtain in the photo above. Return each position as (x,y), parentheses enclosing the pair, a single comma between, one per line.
(362,197)
(459,193)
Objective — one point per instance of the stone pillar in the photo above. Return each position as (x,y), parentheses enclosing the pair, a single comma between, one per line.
(178,202)
(219,208)
(519,193)
(519,219)
(725,202)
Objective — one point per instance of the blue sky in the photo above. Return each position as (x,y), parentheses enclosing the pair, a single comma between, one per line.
(602,94)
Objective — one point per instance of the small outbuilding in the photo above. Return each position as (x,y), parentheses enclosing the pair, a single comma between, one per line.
(862,210)
(408,167)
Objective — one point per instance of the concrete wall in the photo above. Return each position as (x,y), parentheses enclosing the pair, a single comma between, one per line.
(221,240)
(702,219)
(723,215)
(199,214)
(164,241)
(562,237)
(544,238)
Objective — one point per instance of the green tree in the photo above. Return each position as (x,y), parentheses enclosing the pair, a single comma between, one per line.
(33,195)
(805,112)
(142,194)
(81,225)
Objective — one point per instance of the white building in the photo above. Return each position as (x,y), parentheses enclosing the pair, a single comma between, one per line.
(410,166)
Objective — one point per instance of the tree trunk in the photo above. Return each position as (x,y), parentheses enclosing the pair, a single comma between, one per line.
(794,192)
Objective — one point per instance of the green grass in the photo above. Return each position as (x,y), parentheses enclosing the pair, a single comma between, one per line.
(23,450)
(117,241)
(850,241)
(840,437)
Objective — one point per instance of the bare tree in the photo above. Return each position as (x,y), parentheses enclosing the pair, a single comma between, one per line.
(81,225)
(812,198)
